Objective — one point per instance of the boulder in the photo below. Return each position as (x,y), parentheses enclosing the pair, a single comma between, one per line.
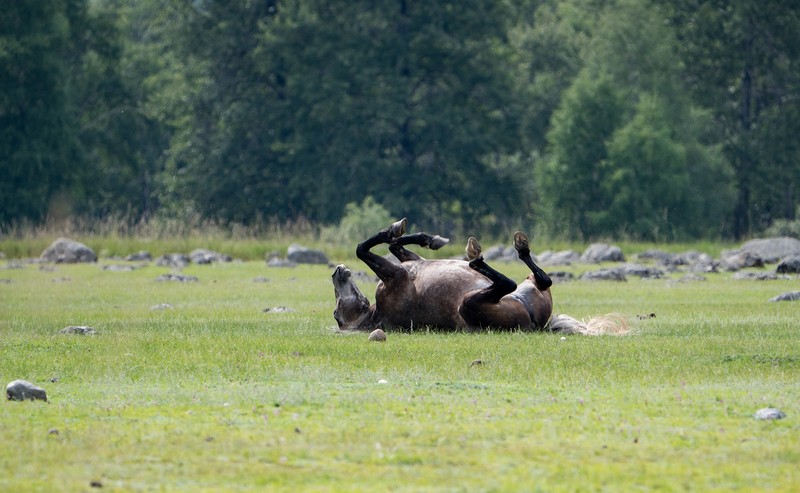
(643,271)
(754,276)
(602,252)
(564,257)
(78,329)
(772,250)
(733,260)
(789,265)
(173,260)
(790,296)
(140,256)
(302,255)
(22,390)
(203,256)
(604,275)
(67,251)
(500,253)
(561,276)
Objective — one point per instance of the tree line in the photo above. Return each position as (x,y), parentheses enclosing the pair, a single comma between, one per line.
(647,119)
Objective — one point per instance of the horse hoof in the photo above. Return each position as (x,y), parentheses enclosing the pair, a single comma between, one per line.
(473,248)
(521,243)
(438,242)
(398,229)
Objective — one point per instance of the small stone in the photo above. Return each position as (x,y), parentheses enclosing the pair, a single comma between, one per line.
(769,413)
(563,339)
(21,390)
(161,306)
(176,277)
(78,329)
(377,335)
(278,309)
(382,381)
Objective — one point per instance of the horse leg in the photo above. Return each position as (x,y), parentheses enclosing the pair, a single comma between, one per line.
(522,246)
(501,284)
(397,247)
(383,268)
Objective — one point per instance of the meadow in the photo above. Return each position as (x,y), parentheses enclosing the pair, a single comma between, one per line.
(216,393)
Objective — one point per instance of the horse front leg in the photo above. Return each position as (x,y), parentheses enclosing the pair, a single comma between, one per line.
(383,268)
(540,277)
(397,247)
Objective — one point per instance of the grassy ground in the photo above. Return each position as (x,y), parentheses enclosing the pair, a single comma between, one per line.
(214,394)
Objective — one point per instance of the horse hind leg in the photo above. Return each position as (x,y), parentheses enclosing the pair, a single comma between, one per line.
(522,246)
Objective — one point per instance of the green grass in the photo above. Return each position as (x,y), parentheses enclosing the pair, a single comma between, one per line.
(217,395)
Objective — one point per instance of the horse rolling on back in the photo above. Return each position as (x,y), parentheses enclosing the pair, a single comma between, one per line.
(451,294)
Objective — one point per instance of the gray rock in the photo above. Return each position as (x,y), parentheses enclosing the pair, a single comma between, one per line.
(119,268)
(561,276)
(754,276)
(377,335)
(790,296)
(564,257)
(274,260)
(278,309)
(733,260)
(692,278)
(659,256)
(642,271)
(173,260)
(140,256)
(500,253)
(67,251)
(203,256)
(22,390)
(789,265)
(78,329)
(769,413)
(302,255)
(702,263)
(602,252)
(772,250)
(161,306)
(176,277)
(604,275)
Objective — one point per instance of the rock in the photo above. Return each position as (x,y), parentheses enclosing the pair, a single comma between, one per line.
(789,265)
(754,276)
(790,296)
(274,260)
(564,257)
(203,256)
(377,335)
(176,277)
(21,390)
(302,255)
(769,413)
(140,256)
(734,260)
(659,256)
(260,279)
(561,276)
(278,309)
(119,268)
(602,252)
(161,306)
(173,260)
(692,278)
(67,251)
(702,263)
(78,329)
(642,271)
(604,275)
(772,250)
(500,253)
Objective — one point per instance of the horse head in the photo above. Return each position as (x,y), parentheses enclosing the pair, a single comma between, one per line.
(353,311)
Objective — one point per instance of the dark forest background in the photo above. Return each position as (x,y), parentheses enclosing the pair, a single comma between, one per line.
(640,119)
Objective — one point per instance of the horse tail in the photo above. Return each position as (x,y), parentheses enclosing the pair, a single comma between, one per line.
(610,324)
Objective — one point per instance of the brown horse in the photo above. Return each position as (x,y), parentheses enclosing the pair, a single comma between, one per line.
(450,294)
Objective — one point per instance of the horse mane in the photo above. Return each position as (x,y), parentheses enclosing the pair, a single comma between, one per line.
(609,324)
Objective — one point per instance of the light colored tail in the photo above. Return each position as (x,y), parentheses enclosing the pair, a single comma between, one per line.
(610,324)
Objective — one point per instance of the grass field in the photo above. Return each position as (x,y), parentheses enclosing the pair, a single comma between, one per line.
(215,394)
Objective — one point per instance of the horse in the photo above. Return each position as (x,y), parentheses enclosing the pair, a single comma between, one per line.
(446,294)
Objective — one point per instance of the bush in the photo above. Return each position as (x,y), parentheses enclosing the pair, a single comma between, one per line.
(360,221)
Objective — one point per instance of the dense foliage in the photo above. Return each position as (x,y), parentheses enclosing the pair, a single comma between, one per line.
(649,119)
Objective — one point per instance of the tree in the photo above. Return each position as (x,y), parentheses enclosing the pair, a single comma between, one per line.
(741,61)
(39,155)
(627,149)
